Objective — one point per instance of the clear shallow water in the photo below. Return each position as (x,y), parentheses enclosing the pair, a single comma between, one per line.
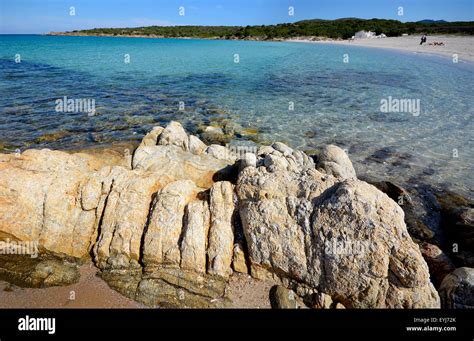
(334,102)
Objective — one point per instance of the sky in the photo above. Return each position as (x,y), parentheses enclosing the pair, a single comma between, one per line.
(43,16)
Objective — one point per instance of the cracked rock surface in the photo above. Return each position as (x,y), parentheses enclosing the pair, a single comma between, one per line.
(164,227)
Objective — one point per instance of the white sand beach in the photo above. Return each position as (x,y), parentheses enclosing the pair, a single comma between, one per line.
(463,46)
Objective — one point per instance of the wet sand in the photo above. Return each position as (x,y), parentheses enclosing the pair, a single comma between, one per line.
(89,292)
(92,292)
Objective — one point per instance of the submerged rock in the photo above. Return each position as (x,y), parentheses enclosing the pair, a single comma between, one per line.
(421,208)
(215,135)
(457,222)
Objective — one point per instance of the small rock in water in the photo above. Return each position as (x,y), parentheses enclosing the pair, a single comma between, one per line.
(382,154)
(215,135)
(52,137)
(248,131)
(428,171)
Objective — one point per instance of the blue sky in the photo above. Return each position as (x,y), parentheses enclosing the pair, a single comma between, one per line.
(42,16)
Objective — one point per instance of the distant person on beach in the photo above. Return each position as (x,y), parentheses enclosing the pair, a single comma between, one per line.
(423,39)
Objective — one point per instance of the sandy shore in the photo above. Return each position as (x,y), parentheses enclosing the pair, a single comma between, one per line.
(92,292)
(463,46)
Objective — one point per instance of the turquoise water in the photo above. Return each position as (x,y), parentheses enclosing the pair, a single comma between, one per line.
(334,102)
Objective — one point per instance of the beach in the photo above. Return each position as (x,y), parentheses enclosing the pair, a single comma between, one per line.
(453,44)
(92,292)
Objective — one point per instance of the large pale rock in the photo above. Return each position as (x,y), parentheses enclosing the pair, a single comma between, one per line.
(221,234)
(195,236)
(220,152)
(166,223)
(347,239)
(195,145)
(151,139)
(125,200)
(39,200)
(333,160)
(281,157)
(163,232)
(136,222)
(174,134)
(368,258)
(179,164)
(457,289)
(170,151)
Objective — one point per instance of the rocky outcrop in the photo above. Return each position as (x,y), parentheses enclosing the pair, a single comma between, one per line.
(343,237)
(40,200)
(457,289)
(141,225)
(170,225)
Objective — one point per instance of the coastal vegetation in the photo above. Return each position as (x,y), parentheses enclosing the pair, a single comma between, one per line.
(335,29)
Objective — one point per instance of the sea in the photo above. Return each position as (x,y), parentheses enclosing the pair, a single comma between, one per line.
(403,117)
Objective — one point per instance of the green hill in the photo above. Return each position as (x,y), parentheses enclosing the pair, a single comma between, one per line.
(341,28)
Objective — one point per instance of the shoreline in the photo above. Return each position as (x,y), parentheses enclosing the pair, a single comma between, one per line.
(453,44)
